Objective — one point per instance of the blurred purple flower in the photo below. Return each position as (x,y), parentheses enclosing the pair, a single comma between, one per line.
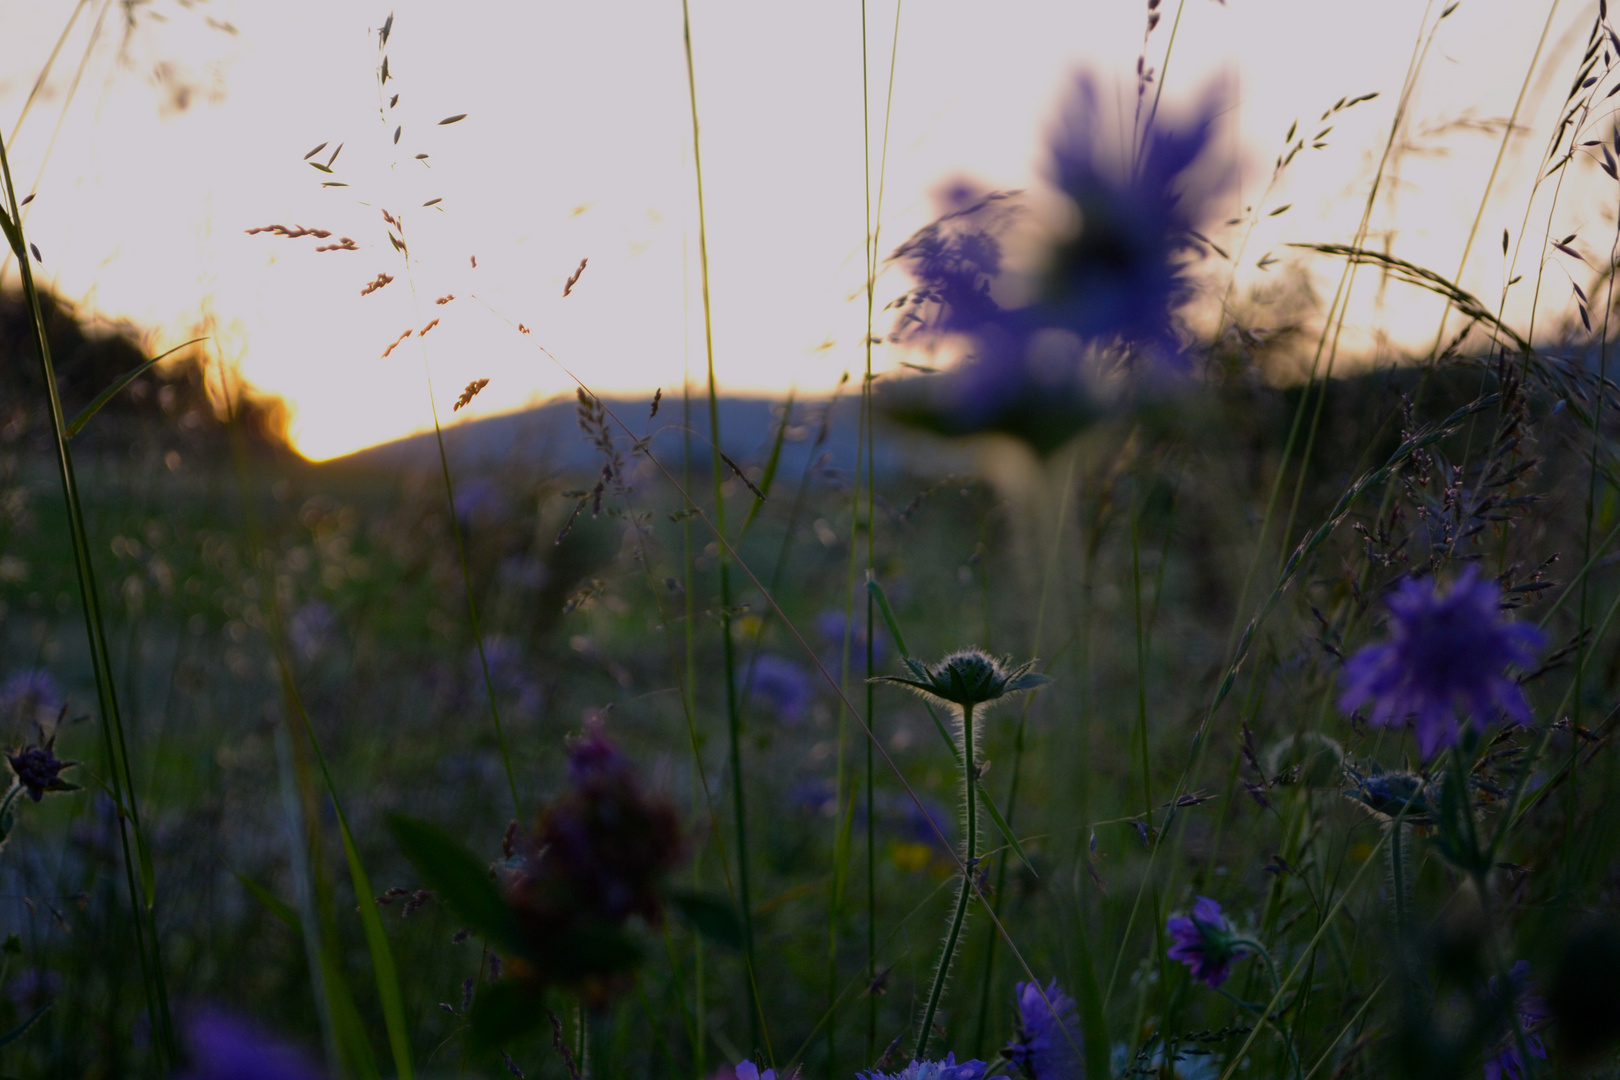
(1206,942)
(832,626)
(1445,651)
(592,753)
(1048,1043)
(224,1047)
(508,671)
(310,629)
(923,824)
(33,987)
(1113,276)
(935,1070)
(479,502)
(781,684)
(29,697)
(1505,1062)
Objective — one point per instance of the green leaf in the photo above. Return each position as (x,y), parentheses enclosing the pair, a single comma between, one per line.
(122,381)
(711,916)
(347,1027)
(382,957)
(13,234)
(770,466)
(272,903)
(503,1012)
(461,879)
(1006,830)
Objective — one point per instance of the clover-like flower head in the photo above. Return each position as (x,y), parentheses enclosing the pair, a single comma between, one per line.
(968,678)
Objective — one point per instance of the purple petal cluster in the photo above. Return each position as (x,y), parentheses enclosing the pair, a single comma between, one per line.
(1048,1043)
(1112,279)
(1505,1061)
(935,1070)
(781,684)
(598,858)
(745,1070)
(1205,941)
(38,770)
(1447,652)
(223,1047)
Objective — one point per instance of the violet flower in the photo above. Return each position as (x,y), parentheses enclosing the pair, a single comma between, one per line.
(935,1070)
(224,1047)
(1505,1061)
(1048,1043)
(1206,942)
(1447,651)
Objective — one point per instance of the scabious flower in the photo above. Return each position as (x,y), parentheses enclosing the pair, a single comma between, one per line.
(223,1047)
(598,857)
(935,1070)
(1505,1062)
(781,684)
(968,678)
(1206,942)
(1388,795)
(1048,1043)
(38,770)
(1446,651)
(1113,275)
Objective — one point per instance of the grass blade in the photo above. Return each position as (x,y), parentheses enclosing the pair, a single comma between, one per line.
(101,399)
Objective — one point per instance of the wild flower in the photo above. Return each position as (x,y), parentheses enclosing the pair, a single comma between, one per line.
(38,770)
(1206,942)
(968,678)
(1111,278)
(223,1047)
(745,1070)
(1048,1043)
(508,671)
(1505,1062)
(781,684)
(1447,651)
(29,697)
(834,627)
(935,1070)
(598,857)
(1387,795)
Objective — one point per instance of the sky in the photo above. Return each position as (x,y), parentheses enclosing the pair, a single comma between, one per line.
(165,130)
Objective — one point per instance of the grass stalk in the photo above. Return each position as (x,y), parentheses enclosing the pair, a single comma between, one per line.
(137,856)
(729,661)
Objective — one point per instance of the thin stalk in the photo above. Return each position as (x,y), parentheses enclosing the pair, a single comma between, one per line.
(141,893)
(733,714)
(965,892)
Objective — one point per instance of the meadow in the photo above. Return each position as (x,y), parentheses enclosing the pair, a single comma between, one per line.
(1134,684)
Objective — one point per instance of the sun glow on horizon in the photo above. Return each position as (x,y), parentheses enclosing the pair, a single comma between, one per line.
(577,144)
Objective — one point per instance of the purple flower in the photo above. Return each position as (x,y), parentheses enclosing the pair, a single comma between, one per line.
(781,684)
(832,626)
(29,695)
(226,1048)
(935,1070)
(1505,1061)
(592,754)
(508,672)
(1048,1043)
(1206,942)
(745,1070)
(39,770)
(1445,651)
(1113,276)
(479,502)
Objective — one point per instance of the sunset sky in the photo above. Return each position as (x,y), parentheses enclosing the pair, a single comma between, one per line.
(190,125)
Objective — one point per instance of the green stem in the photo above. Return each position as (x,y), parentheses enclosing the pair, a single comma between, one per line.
(112,725)
(965,890)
